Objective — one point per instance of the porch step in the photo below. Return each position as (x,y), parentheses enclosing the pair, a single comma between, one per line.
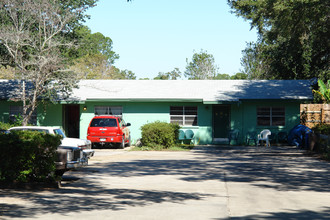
(220,140)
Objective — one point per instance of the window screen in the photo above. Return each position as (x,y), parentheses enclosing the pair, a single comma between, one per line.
(270,116)
(17,110)
(184,115)
(108,110)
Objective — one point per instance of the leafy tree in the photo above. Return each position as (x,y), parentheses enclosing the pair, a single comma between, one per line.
(93,66)
(252,62)
(162,76)
(223,76)
(239,76)
(94,58)
(202,66)
(293,38)
(80,7)
(121,74)
(32,34)
(7,72)
(96,66)
(173,75)
(91,44)
(227,76)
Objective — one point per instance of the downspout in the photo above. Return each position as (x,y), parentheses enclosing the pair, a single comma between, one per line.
(24,104)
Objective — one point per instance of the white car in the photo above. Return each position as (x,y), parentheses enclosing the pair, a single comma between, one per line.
(85,145)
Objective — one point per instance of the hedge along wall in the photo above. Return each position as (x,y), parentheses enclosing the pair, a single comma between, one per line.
(313,114)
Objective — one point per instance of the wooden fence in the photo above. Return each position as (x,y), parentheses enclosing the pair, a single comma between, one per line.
(313,114)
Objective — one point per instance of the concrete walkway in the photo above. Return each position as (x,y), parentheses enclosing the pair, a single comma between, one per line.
(210,182)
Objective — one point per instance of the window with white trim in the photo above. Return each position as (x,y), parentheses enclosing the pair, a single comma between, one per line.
(108,110)
(271,116)
(184,115)
(17,110)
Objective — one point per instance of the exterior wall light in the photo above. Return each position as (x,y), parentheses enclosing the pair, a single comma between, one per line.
(85,108)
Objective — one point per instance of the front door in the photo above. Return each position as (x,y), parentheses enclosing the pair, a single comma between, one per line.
(71,120)
(221,121)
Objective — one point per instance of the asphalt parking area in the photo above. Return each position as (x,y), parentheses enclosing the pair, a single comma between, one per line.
(213,182)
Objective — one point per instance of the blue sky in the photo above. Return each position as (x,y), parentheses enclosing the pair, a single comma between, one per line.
(153,36)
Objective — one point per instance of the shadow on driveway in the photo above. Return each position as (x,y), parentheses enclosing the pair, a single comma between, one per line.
(291,215)
(89,198)
(284,168)
(279,168)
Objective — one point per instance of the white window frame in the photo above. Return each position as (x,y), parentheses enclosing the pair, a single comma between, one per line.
(183,116)
(271,115)
(109,110)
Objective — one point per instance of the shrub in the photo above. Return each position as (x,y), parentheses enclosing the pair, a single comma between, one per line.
(28,156)
(5,126)
(323,144)
(17,122)
(322,129)
(160,134)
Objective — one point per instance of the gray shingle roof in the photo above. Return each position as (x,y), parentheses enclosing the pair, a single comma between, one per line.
(203,90)
(183,90)
(12,89)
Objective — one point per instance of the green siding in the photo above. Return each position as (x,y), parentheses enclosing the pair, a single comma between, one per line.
(243,116)
(236,117)
(50,115)
(203,133)
(4,110)
(137,114)
(249,117)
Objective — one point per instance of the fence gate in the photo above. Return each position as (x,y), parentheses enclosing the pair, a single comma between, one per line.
(313,114)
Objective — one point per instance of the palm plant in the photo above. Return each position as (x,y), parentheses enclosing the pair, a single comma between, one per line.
(324,90)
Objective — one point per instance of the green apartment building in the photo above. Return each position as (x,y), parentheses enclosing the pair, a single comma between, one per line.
(210,108)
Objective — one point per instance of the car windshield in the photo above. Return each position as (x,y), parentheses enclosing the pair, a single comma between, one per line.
(59,132)
(104,122)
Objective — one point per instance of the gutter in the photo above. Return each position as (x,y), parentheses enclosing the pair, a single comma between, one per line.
(144,100)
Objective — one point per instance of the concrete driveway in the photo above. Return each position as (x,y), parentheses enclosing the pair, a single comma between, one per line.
(214,182)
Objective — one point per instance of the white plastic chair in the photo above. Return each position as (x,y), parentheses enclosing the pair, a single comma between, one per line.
(264,136)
